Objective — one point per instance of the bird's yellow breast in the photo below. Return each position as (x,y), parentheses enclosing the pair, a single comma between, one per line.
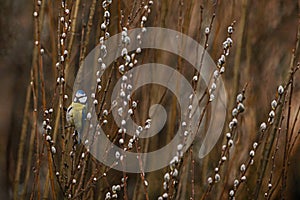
(76,114)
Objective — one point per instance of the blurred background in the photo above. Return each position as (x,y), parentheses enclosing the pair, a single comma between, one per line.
(265,33)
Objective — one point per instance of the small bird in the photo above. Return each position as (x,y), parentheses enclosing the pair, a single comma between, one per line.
(76,112)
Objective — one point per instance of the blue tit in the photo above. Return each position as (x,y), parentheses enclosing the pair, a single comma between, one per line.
(76,112)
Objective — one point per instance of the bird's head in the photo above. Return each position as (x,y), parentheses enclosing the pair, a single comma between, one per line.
(80,97)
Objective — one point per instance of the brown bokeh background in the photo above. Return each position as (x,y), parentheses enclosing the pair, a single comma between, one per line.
(263,42)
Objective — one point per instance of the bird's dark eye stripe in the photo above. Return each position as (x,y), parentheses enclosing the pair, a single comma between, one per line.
(70,108)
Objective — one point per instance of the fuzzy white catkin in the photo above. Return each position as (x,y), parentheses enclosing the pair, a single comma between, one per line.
(207,30)
(280,90)
(263,126)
